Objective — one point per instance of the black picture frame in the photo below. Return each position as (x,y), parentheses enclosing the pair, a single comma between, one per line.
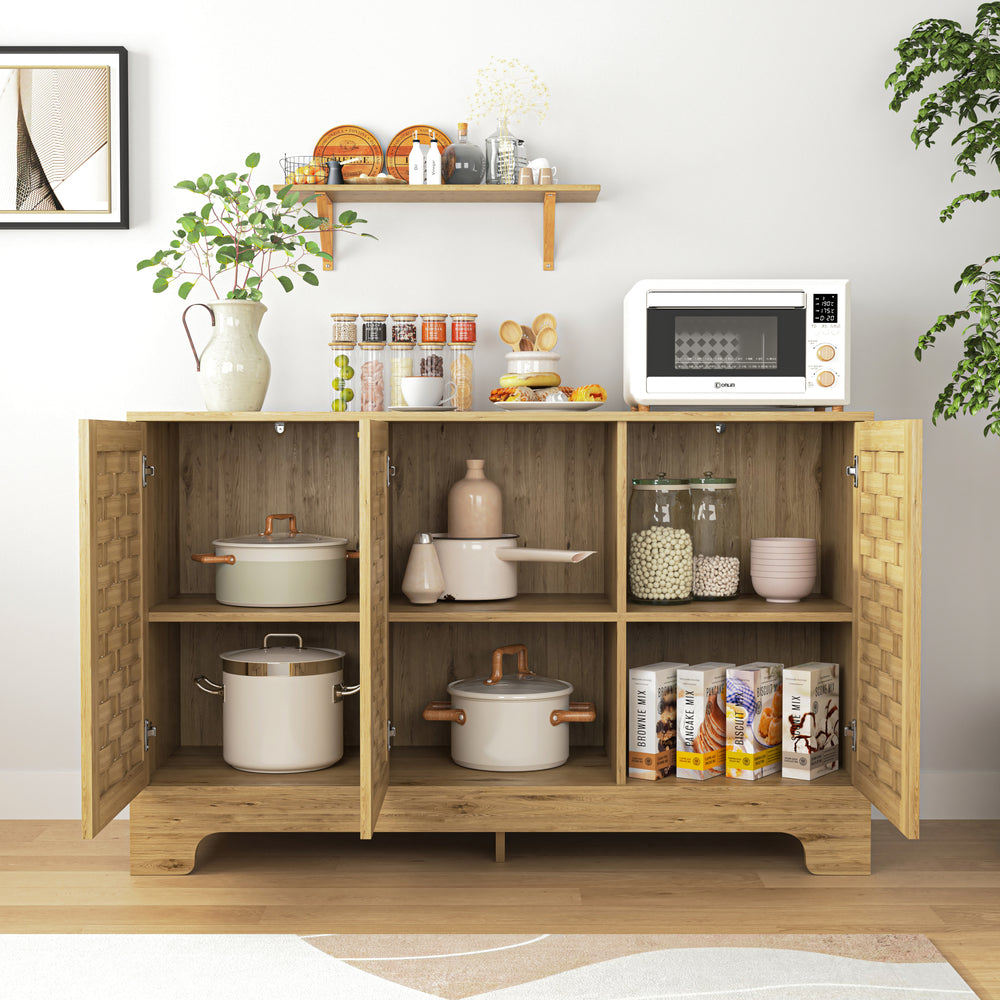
(23,171)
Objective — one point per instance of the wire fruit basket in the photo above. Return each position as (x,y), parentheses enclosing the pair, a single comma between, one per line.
(306,169)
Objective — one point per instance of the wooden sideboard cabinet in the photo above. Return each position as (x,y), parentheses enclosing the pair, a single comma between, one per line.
(151,624)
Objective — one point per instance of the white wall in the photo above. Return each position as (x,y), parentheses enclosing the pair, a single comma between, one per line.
(730,139)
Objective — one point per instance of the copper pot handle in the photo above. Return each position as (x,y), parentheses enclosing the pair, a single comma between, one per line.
(578,711)
(204,557)
(496,675)
(441,711)
(271,518)
(353,554)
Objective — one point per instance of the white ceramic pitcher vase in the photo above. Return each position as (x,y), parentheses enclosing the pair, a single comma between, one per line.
(233,369)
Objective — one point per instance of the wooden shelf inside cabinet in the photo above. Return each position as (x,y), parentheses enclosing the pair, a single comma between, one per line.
(356,194)
(203,766)
(746,608)
(205,608)
(523,608)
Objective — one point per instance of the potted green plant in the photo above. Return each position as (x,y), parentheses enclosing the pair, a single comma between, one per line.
(970,93)
(237,238)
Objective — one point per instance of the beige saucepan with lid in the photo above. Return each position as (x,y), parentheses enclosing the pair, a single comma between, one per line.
(517,723)
(272,570)
(282,706)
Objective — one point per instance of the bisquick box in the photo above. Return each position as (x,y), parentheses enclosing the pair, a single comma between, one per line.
(652,720)
(811,723)
(701,720)
(753,720)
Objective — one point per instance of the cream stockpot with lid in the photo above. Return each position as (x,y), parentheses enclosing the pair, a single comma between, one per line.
(518,723)
(659,547)
(715,510)
(282,706)
(271,570)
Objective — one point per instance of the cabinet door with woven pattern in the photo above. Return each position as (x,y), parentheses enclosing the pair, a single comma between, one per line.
(373,543)
(111,655)
(887,618)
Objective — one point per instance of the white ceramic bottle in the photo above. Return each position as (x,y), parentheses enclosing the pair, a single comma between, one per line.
(423,581)
(432,166)
(416,161)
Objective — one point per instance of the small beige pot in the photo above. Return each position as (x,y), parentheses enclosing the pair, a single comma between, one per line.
(510,724)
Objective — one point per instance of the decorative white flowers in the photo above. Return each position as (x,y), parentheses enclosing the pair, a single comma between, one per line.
(506,89)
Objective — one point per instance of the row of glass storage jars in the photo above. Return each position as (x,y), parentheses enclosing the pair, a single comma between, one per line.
(684,540)
(365,379)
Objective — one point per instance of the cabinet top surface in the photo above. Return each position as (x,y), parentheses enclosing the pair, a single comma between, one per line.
(501,416)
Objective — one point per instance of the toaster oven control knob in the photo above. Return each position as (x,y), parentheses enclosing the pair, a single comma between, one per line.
(826,379)
(826,352)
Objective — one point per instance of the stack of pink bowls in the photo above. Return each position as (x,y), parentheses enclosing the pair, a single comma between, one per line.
(783,570)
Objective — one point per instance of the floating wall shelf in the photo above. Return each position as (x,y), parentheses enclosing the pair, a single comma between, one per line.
(357,194)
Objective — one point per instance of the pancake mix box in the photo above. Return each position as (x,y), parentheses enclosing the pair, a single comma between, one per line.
(753,720)
(701,715)
(811,724)
(652,720)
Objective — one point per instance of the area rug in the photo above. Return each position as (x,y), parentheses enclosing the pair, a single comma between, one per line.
(477,967)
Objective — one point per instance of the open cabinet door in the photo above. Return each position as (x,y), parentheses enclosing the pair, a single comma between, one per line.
(111,632)
(373,542)
(887,618)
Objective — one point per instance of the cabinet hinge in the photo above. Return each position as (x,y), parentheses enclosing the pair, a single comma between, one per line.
(147,730)
(390,471)
(852,471)
(148,471)
(390,733)
(853,730)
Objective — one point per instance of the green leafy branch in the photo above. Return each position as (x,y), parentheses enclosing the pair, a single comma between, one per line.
(242,234)
(970,95)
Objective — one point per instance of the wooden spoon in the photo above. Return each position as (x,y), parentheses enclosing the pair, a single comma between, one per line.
(510,333)
(541,321)
(527,336)
(546,339)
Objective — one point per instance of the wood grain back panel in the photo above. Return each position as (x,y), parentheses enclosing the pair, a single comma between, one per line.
(112,619)
(776,465)
(232,475)
(887,618)
(552,477)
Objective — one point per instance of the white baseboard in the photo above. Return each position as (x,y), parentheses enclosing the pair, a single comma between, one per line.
(56,795)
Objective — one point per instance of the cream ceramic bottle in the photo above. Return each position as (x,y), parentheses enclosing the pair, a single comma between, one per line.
(475,507)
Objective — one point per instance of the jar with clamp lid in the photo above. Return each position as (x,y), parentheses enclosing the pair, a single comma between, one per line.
(715,510)
(660,546)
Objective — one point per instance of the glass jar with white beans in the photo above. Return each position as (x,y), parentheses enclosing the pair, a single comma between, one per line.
(660,546)
(715,510)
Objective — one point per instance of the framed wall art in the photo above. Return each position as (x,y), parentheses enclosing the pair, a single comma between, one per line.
(63,137)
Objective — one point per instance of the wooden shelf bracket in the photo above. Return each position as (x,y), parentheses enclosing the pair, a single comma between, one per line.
(324,206)
(548,231)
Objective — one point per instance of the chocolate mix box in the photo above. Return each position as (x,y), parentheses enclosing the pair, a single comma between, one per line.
(811,725)
(753,720)
(701,720)
(652,720)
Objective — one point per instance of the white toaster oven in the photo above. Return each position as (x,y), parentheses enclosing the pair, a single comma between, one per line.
(745,342)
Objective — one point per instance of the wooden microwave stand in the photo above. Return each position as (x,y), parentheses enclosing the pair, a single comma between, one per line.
(150,621)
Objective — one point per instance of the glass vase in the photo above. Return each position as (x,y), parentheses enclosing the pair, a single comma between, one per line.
(501,156)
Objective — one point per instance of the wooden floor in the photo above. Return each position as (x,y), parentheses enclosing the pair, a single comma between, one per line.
(946,885)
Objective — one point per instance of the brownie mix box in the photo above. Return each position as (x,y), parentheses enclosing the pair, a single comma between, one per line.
(753,720)
(701,720)
(811,724)
(652,719)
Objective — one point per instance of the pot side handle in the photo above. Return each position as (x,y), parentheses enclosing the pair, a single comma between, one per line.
(205,557)
(441,711)
(578,711)
(201,680)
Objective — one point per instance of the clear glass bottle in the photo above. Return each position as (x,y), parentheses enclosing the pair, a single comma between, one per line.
(345,377)
(430,361)
(501,156)
(660,562)
(460,372)
(715,510)
(400,367)
(461,162)
(371,375)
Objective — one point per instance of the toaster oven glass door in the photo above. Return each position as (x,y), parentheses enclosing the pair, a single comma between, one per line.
(755,345)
